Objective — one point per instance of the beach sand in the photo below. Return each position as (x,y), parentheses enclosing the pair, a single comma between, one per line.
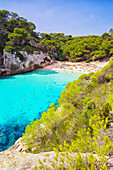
(77,66)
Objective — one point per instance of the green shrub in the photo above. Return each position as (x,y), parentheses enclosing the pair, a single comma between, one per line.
(78,102)
(29,49)
(88,60)
(91,149)
(10,49)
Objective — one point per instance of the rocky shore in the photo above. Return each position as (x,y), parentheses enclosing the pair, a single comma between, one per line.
(22,62)
(15,158)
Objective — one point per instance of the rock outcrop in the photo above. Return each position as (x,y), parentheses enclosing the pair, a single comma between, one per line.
(22,62)
(15,158)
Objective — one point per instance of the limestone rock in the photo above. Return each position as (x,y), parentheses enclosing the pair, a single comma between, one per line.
(22,62)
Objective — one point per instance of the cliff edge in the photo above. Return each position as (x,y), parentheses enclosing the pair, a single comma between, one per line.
(22,62)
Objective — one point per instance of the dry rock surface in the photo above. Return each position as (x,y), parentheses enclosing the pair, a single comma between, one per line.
(23,62)
(15,158)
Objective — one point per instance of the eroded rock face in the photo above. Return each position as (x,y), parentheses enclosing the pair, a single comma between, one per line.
(21,62)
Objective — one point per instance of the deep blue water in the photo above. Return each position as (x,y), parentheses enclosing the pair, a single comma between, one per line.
(24,97)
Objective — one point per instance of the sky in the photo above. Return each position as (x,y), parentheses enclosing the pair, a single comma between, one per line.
(71,17)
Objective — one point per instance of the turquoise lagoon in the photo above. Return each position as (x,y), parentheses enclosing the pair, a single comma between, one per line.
(24,97)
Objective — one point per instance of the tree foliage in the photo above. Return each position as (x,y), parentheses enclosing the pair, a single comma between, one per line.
(78,48)
(15,31)
(59,46)
(82,99)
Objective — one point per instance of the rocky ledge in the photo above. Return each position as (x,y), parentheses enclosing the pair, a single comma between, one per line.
(15,158)
(22,62)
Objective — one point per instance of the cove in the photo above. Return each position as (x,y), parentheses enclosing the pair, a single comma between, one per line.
(24,97)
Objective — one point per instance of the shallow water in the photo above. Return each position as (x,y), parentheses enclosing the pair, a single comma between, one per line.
(24,97)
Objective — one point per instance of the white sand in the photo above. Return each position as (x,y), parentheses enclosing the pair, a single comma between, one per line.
(77,66)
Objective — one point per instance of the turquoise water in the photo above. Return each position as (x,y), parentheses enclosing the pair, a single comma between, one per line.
(24,97)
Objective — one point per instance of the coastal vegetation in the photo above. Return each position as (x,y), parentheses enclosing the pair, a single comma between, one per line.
(17,34)
(79,48)
(79,122)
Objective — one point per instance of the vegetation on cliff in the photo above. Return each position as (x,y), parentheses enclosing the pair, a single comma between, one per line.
(16,33)
(90,95)
(84,106)
(89,151)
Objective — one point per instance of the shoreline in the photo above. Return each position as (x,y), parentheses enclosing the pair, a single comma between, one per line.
(74,67)
(8,72)
(15,156)
(77,66)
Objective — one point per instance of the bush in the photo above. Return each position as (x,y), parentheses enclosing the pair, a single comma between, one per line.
(88,60)
(88,142)
(9,49)
(81,99)
(29,49)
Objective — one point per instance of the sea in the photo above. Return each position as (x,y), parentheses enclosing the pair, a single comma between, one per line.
(24,97)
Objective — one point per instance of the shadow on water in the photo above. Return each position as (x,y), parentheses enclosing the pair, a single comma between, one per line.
(40,71)
(37,71)
(6,77)
(44,72)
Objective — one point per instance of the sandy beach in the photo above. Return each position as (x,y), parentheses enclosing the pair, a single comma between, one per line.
(77,66)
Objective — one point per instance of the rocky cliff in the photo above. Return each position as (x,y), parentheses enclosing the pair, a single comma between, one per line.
(21,62)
